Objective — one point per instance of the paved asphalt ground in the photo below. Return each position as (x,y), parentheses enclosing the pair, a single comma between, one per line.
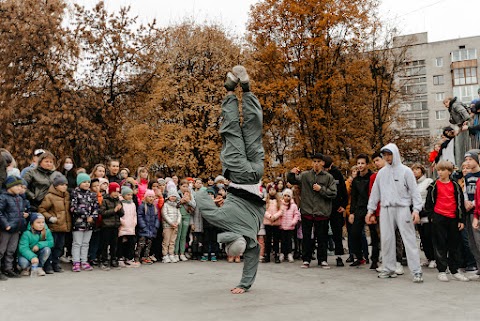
(200,291)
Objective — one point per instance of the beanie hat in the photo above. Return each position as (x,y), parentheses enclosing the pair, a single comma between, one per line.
(219,178)
(12,181)
(473,153)
(171,185)
(210,190)
(60,180)
(82,177)
(102,180)
(34,216)
(126,190)
(161,181)
(149,192)
(113,187)
(288,192)
(173,192)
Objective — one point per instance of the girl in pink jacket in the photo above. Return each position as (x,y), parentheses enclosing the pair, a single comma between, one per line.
(290,218)
(126,231)
(272,221)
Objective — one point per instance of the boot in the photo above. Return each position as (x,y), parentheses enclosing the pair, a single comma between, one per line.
(277,258)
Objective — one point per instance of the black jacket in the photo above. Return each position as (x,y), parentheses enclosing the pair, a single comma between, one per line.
(110,218)
(432,198)
(360,185)
(342,196)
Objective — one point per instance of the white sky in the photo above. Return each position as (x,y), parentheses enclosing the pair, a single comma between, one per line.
(442,19)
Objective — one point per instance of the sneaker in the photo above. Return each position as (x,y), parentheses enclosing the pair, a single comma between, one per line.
(104,266)
(231,81)
(241,73)
(432,264)
(122,264)
(173,259)
(442,276)
(86,266)
(290,258)
(57,268)
(236,247)
(65,259)
(177,258)
(204,258)
(189,256)
(132,264)
(153,258)
(11,274)
(213,259)
(358,262)
(3,277)
(114,264)
(374,265)
(25,272)
(277,259)
(324,265)
(94,262)
(379,269)
(387,275)
(418,278)
(473,277)
(471,269)
(40,272)
(166,259)
(76,267)
(146,260)
(305,265)
(340,261)
(48,269)
(282,257)
(460,277)
(183,258)
(399,269)
(350,259)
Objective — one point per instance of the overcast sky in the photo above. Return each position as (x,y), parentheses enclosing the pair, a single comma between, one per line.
(442,19)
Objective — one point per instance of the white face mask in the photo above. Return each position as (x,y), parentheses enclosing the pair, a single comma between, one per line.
(68,166)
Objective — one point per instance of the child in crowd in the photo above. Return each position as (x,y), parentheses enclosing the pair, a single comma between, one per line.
(272,221)
(12,223)
(98,171)
(35,246)
(55,207)
(148,224)
(111,212)
(445,206)
(197,224)
(126,232)
(95,239)
(84,209)
(210,244)
(103,185)
(171,218)
(142,178)
(187,208)
(290,218)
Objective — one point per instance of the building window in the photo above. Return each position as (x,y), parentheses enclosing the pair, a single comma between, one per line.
(419,123)
(440,114)
(415,89)
(439,96)
(464,54)
(438,80)
(439,61)
(465,93)
(419,105)
(465,76)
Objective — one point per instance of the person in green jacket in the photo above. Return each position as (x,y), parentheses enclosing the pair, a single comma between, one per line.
(35,245)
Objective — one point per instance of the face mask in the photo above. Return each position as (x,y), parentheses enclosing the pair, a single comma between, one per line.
(68,166)
(220,186)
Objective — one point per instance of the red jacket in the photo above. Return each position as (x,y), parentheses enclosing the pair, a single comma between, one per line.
(370,185)
(476,211)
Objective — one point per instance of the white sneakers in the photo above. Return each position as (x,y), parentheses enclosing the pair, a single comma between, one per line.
(166,259)
(325,265)
(432,264)
(442,276)
(183,258)
(460,277)
(399,269)
(282,257)
(290,258)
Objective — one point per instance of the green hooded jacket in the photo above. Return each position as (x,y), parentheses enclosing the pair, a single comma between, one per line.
(29,239)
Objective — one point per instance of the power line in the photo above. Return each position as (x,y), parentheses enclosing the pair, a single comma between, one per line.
(424,7)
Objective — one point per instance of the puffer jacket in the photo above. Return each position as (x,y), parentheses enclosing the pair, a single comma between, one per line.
(148,222)
(290,216)
(170,214)
(12,208)
(57,204)
(84,204)
(30,238)
(129,220)
(38,182)
(273,214)
(458,113)
(110,218)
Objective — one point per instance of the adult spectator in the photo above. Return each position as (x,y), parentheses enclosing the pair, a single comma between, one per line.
(36,154)
(69,170)
(113,171)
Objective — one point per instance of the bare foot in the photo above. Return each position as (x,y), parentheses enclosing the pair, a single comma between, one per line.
(237,291)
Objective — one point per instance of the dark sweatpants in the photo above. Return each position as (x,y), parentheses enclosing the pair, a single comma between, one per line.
(446,243)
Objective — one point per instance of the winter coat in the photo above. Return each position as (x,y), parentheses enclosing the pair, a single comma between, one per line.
(71,178)
(110,218)
(290,217)
(129,220)
(12,208)
(57,204)
(114,178)
(432,199)
(38,182)
(3,171)
(142,188)
(273,214)
(148,222)
(315,203)
(458,113)
(30,238)
(83,204)
(422,184)
(170,215)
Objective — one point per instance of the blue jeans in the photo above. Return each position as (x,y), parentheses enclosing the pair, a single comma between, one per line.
(42,255)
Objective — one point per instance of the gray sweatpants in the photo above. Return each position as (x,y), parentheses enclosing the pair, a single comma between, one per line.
(400,217)
(473,239)
(242,158)
(8,246)
(81,242)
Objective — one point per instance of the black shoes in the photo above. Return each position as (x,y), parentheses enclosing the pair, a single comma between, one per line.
(350,259)
(10,274)
(340,262)
(266,259)
(374,265)
(57,268)
(48,269)
(277,259)
(3,277)
(358,262)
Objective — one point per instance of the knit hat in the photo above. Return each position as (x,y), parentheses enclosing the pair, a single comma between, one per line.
(161,181)
(82,177)
(171,185)
(210,190)
(34,216)
(149,192)
(102,180)
(173,192)
(12,181)
(126,190)
(317,156)
(113,187)
(219,178)
(288,192)
(473,153)
(60,180)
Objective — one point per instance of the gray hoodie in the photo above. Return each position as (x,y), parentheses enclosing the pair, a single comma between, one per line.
(395,185)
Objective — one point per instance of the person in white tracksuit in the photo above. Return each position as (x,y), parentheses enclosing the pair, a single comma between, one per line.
(396,189)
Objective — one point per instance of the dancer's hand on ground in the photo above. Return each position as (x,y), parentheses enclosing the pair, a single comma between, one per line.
(461,226)
(237,291)
(415,217)
(475,223)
